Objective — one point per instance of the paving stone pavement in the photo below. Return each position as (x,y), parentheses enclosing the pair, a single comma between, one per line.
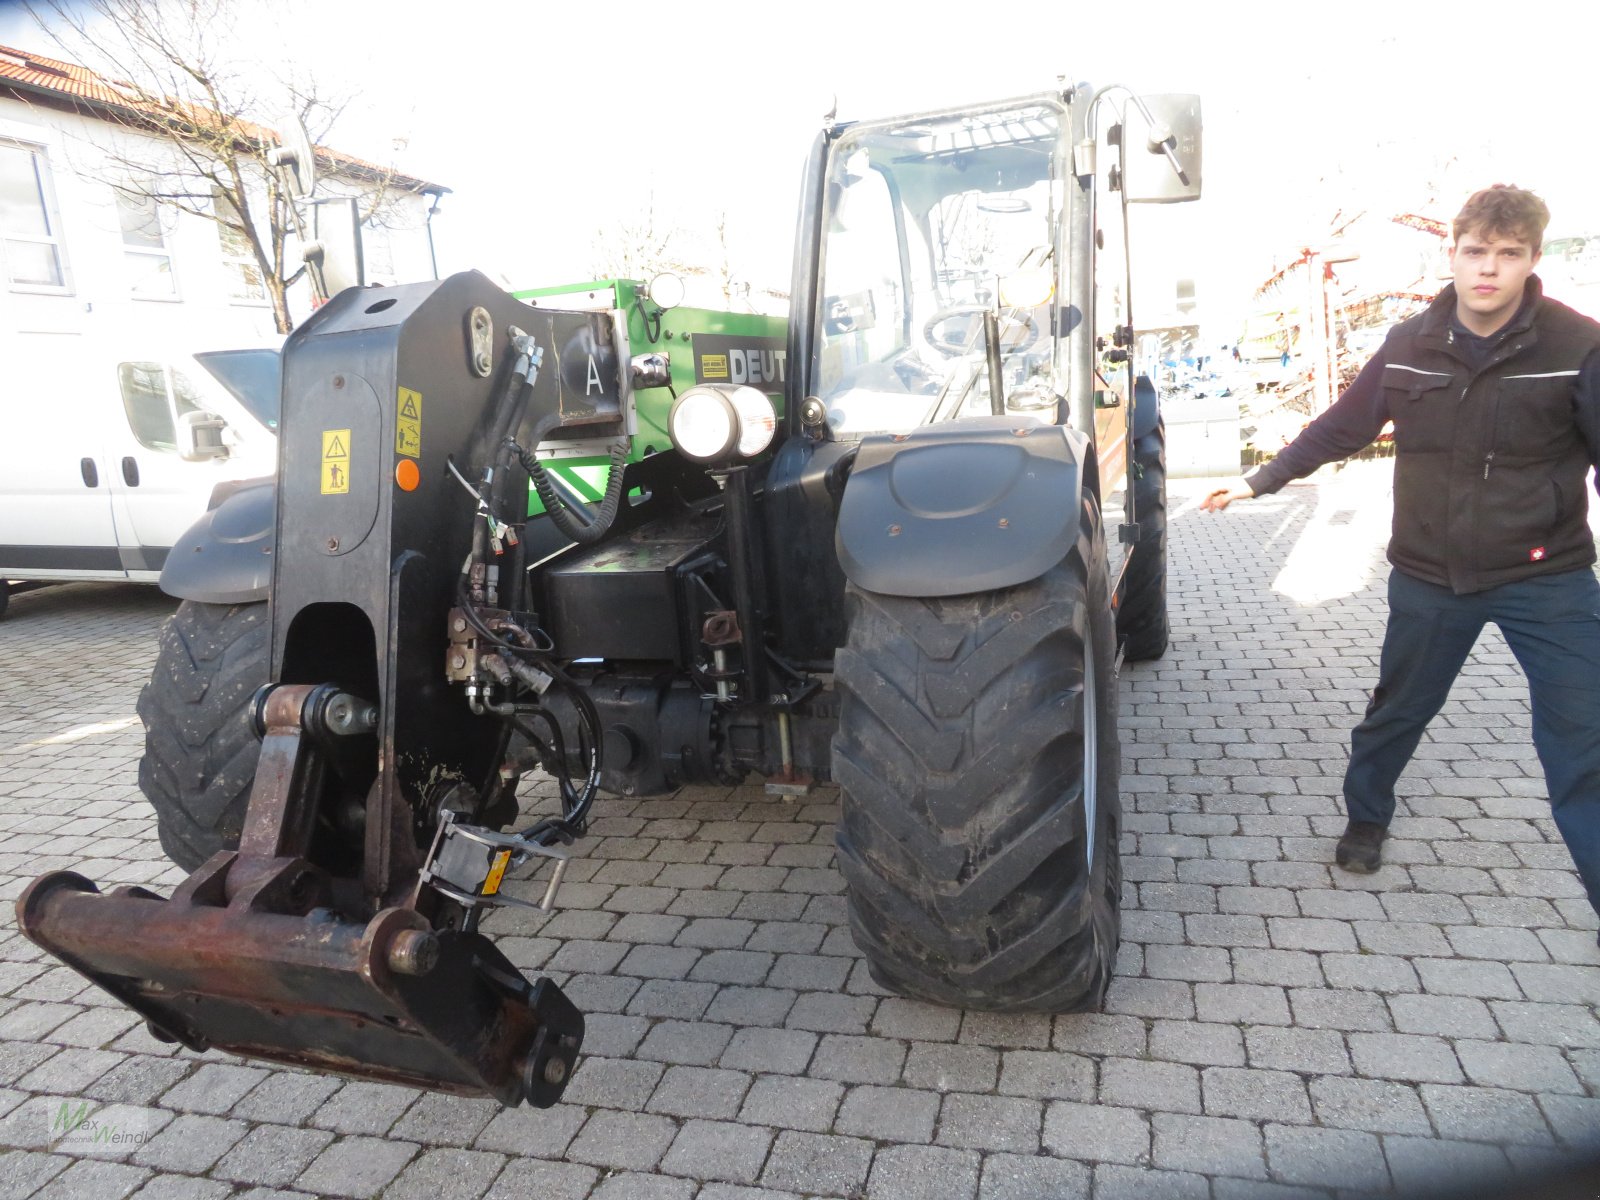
(1278,1029)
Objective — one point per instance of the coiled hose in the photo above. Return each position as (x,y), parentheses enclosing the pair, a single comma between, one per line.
(580,523)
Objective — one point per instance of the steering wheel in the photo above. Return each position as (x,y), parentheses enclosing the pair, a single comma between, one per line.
(958,330)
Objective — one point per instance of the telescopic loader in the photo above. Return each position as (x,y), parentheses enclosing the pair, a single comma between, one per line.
(867,549)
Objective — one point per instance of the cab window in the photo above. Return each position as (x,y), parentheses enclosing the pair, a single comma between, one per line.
(153,396)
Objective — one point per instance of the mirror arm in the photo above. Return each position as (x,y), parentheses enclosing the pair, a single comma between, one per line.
(1160,136)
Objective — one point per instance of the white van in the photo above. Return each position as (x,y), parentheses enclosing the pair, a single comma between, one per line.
(103,464)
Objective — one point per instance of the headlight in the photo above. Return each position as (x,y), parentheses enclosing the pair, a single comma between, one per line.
(757,420)
(715,424)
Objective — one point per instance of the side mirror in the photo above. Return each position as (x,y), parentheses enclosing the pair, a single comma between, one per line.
(200,436)
(1162,135)
(336,250)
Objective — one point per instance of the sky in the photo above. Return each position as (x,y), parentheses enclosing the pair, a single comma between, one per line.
(550,121)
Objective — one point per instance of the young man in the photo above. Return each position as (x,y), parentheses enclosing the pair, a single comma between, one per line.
(1494,392)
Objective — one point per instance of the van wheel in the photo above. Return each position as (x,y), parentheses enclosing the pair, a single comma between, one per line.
(977,759)
(199,750)
(1142,626)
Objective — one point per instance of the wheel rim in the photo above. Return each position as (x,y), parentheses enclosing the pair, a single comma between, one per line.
(1091,750)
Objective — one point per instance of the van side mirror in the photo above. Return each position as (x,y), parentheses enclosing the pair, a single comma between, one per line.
(1163,149)
(200,436)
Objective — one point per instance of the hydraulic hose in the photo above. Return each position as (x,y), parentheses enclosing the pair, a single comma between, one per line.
(580,523)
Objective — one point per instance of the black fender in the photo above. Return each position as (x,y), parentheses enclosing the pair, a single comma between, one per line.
(962,506)
(1146,408)
(226,556)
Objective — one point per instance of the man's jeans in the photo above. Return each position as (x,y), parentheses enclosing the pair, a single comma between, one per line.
(1552,624)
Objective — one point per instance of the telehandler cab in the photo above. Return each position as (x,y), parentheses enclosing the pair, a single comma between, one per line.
(868,549)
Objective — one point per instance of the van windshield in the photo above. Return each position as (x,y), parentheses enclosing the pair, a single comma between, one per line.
(253,377)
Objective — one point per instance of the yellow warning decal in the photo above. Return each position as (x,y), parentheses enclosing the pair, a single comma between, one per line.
(335,462)
(497,872)
(408,424)
(714,366)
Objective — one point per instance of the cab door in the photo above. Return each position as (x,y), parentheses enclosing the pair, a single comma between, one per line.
(156,494)
(56,509)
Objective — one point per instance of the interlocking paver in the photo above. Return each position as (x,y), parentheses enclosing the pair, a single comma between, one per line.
(1255,1095)
(719,1150)
(1047,1075)
(192,1143)
(1327,1157)
(1097,1133)
(790,1103)
(438,1120)
(889,1114)
(990,1123)
(1112,1182)
(518,1131)
(272,1155)
(1412,1058)
(1370,1104)
(364,1108)
(91,1177)
(357,1167)
(1019,1177)
(780,1051)
(623,1141)
(1420,1165)
(1315,1051)
(1208,1145)
(1483,1114)
(533,1179)
(614,1082)
(1524,1068)
(818,1164)
(923,1173)
(852,1059)
(699,1092)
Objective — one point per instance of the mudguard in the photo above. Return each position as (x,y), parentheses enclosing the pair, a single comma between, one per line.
(1146,407)
(226,556)
(964,506)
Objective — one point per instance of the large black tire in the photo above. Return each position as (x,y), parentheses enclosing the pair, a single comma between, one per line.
(981,871)
(1142,616)
(199,750)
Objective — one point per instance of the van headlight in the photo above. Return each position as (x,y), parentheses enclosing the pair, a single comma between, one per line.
(715,424)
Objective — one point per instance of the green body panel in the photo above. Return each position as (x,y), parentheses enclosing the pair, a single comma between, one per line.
(675,334)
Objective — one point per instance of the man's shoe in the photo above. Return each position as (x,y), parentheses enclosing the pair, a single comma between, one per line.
(1361,847)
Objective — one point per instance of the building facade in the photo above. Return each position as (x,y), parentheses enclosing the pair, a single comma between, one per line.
(89,258)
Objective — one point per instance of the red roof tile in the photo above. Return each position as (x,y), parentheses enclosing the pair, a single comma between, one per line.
(51,77)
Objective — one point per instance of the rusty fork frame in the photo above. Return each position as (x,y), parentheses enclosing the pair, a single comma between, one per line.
(262,953)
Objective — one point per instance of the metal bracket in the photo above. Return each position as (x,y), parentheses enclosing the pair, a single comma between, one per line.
(469,865)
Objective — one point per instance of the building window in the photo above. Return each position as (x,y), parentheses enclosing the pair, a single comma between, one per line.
(377,253)
(30,236)
(144,247)
(238,259)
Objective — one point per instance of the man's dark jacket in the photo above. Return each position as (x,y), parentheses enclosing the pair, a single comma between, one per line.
(1493,442)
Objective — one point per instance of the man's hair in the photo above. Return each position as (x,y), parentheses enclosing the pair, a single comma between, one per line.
(1503,211)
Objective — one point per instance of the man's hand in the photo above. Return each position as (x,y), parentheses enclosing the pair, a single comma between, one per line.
(1218,499)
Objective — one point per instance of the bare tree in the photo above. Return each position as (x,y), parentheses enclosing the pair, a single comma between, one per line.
(640,247)
(173,70)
